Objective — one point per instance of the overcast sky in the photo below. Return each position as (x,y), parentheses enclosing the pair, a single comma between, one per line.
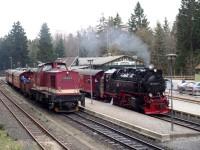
(68,16)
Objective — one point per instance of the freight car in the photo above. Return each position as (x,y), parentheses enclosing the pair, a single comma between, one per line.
(139,89)
(51,84)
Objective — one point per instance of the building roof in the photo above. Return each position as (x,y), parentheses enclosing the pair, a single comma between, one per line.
(83,61)
(88,71)
(101,60)
(97,60)
(67,60)
(78,67)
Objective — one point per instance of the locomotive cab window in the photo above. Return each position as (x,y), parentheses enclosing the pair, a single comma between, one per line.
(47,67)
(62,66)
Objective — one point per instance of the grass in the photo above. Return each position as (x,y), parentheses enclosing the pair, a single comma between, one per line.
(6,142)
(197,77)
(1,127)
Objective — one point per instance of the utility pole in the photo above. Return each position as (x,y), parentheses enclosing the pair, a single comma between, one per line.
(10,62)
(171,57)
(91,90)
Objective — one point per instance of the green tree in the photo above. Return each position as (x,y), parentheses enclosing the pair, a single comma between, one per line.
(59,48)
(168,38)
(138,19)
(18,45)
(45,46)
(101,27)
(188,33)
(146,36)
(166,26)
(117,21)
(33,50)
(5,53)
(158,55)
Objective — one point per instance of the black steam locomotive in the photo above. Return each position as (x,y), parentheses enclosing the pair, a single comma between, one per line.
(137,80)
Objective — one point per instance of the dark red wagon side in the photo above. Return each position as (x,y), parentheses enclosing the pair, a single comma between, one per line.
(85,81)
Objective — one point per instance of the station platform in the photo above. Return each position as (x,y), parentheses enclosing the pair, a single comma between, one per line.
(143,124)
(187,107)
(193,99)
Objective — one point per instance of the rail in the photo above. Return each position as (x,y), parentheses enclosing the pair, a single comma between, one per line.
(181,119)
(118,137)
(33,127)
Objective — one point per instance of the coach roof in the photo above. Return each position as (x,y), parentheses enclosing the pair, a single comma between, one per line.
(88,71)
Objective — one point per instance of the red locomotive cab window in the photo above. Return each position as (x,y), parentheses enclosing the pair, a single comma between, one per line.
(62,66)
(47,67)
(53,81)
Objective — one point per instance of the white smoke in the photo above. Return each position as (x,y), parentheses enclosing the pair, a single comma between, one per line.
(122,40)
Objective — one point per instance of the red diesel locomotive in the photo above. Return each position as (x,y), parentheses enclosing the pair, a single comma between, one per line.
(139,89)
(51,84)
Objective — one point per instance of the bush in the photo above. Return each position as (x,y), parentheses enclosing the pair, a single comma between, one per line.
(1,127)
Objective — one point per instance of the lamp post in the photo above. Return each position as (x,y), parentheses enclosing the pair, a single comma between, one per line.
(91,94)
(10,62)
(171,57)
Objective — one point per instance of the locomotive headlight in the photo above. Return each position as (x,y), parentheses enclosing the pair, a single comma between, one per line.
(150,95)
(151,67)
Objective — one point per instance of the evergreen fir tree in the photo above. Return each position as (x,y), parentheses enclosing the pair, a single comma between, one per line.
(117,21)
(166,26)
(33,50)
(59,48)
(138,19)
(45,46)
(18,45)
(5,53)
(159,54)
(188,33)
(101,27)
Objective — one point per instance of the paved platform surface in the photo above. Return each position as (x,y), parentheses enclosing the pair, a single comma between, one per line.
(187,107)
(141,123)
(187,96)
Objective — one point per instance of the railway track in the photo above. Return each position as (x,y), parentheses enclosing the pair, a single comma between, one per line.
(180,121)
(183,97)
(196,101)
(44,138)
(117,137)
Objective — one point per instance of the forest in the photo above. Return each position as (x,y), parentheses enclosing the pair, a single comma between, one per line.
(113,36)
